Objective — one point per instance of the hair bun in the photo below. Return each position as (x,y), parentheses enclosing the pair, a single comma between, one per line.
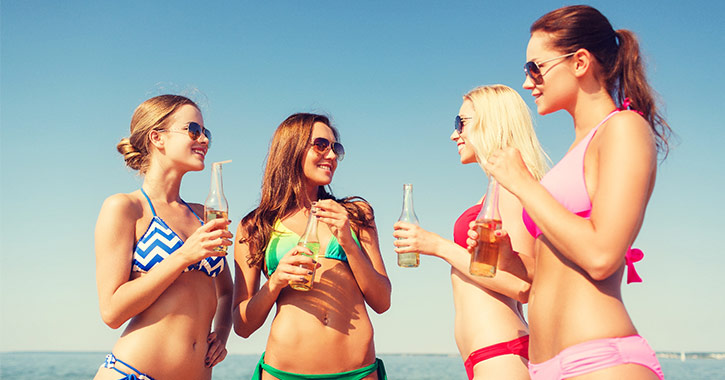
(131,155)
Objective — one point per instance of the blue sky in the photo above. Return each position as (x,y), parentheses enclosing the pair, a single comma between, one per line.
(391,76)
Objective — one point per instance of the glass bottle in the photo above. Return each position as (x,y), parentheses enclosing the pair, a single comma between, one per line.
(408,259)
(485,255)
(309,240)
(216,206)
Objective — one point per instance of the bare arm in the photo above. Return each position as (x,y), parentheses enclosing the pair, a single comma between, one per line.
(119,298)
(222,318)
(415,239)
(367,263)
(252,304)
(625,158)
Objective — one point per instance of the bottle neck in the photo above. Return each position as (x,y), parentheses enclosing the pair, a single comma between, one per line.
(310,234)
(407,199)
(489,210)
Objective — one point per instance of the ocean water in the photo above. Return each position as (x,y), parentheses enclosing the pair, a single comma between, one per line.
(83,365)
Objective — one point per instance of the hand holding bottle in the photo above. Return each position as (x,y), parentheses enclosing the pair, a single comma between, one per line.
(311,244)
(294,267)
(205,241)
(508,168)
(216,206)
(484,258)
(408,259)
(413,238)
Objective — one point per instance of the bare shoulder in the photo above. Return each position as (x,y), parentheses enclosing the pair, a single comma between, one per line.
(627,137)
(627,125)
(123,205)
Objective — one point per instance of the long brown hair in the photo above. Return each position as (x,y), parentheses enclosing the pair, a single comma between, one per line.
(150,115)
(283,188)
(617,52)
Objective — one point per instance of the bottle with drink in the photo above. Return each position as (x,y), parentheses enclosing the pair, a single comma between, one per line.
(485,255)
(408,259)
(216,206)
(309,240)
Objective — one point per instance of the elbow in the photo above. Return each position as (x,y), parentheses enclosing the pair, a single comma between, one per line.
(112,319)
(382,306)
(603,268)
(382,303)
(241,331)
(240,327)
(523,294)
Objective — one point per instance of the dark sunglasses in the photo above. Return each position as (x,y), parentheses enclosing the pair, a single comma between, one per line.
(533,70)
(459,123)
(194,130)
(322,145)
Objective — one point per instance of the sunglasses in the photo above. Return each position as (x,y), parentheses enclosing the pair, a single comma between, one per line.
(459,123)
(533,70)
(194,130)
(322,145)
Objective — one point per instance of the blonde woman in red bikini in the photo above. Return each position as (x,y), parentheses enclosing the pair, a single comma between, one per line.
(586,212)
(490,330)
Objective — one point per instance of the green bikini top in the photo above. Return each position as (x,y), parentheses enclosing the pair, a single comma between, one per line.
(283,239)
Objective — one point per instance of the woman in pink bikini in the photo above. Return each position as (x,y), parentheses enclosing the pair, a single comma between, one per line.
(586,212)
(490,330)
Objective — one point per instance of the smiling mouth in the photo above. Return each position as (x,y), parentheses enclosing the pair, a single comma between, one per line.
(201,152)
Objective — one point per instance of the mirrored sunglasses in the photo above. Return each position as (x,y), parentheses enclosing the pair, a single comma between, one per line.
(322,145)
(533,71)
(458,126)
(194,130)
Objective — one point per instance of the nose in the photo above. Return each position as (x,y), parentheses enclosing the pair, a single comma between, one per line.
(454,135)
(203,139)
(528,83)
(330,154)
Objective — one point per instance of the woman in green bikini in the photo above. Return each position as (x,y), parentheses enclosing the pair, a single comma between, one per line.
(325,332)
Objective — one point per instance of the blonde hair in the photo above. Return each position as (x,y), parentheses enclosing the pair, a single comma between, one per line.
(153,114)
(502,119)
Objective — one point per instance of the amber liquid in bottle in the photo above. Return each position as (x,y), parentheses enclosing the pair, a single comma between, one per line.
(484,258)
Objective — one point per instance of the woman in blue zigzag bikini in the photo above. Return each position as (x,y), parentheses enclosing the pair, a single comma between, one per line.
(156,266)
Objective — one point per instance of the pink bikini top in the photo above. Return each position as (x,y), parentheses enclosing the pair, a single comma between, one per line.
(565,182)
(460,228)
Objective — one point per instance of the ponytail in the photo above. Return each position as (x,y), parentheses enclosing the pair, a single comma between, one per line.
(583,27)
(630,82)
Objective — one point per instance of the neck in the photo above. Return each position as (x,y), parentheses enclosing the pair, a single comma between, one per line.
(311,196)
(163,184)
(589,109)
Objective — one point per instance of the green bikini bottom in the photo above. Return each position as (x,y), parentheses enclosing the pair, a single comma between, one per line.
(349,375)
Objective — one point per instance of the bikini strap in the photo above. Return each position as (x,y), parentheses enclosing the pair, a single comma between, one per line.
(148,199)
(607,118)
(192,211)
(182,201)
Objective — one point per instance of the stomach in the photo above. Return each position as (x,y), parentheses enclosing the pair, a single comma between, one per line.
(567,307)
(324,330)
(168,339)
(483,317)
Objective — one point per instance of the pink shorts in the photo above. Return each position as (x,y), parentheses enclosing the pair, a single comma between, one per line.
(595,355)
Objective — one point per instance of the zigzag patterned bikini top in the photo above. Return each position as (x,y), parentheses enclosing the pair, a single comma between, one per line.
(160,241)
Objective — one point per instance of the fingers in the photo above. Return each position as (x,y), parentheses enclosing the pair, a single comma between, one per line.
(331,213)
(215,224)
(216,351)
(500,233)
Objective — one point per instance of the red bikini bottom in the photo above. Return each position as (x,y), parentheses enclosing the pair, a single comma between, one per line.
(518,346)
